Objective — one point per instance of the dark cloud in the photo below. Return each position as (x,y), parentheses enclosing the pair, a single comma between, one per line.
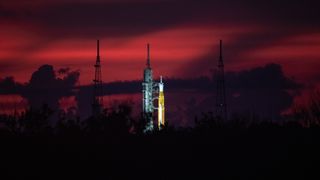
(9,86)
(262,90)
(99,19)
(90,18)
(265,91)
(43,87)
(269,76)
(63,71)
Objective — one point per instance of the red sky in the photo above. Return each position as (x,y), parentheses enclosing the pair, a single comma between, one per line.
(183,34)
(123,58)
(172,49)
(183,38)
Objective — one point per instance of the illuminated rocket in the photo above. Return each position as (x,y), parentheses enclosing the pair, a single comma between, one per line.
(161,109)
(150,90)
(148,95)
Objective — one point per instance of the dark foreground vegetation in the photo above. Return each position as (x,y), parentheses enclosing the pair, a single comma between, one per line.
(111,146)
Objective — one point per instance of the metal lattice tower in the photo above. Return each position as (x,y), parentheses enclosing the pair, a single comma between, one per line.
(148,94)
(97,86)
(221,106)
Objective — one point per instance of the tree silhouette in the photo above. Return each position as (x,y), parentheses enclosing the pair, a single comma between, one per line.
(32,121)
(309,114)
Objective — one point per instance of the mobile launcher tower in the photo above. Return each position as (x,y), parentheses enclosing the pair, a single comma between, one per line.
(151,91)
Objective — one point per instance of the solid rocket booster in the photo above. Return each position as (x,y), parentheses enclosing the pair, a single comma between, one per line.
(161,109)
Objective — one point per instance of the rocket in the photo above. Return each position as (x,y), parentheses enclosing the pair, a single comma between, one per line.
(161,109)
(150,89)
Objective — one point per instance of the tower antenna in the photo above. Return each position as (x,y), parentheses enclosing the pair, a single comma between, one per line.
(221,106)
(148,55)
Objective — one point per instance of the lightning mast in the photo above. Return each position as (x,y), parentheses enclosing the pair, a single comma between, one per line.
(147,93)
(221,106)
(97,86)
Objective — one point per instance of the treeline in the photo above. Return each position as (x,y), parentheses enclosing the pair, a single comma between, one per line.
(118,120)
(112,146)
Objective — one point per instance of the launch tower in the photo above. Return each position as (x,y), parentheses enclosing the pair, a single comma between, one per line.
(97,86)
(147,93)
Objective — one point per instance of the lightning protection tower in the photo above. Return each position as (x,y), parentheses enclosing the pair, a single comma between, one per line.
(221,106)
(97,86)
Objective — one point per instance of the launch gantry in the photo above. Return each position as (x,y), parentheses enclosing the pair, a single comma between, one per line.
(147,92)
(150,90)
